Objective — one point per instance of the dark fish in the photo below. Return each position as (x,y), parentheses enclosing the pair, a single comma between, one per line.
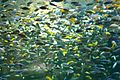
(59,46)
(38,19)
(19,64)
(19,71)
(116,52)
(4,1)
(52,4)
(88,29)
(22,13)
(25,8)
(98,22)
(76,3)
(89,4)
(107,49)
(108,2)
(7,38)
(107,54)
(15,32)
(86,49)
(5,5)
(113,33)
(43,7)
(52,18)
(111,7)
(9,9)
(3,16)
(65,10)
(36,9)
(100,65)
(22,35)
(39,42)
(79,30)
(116,73)
(105,61)
(77,22)
(57,0)
(28,4)
(89,11)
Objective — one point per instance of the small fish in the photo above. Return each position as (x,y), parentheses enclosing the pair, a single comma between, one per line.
(110,7)
(79,30)
(36,9)
(64,10)
(98,1)
(38,19)
(89,4)
(52,4)
(76,3)
(3,16)
(3,1)
(39,42)
(114,65)
(19,64)
(28,4)
(23,35)
(25,8)
(77,22)
(88,29)
(108,2)
(15,32)
(5,5)
(57,0)
(106,49)
(116,52)
(9,9)
(43,7)
(90,11)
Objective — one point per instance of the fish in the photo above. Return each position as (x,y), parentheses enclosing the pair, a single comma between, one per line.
(36,9)
(43,7)
(78,30)
(3,1)
(76,3)
(5,5)
(57,0)
(28,4)
(25,8)
(88,29)
(89,4)
(108,2)
(52,4)
(3,16)
(64,11)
